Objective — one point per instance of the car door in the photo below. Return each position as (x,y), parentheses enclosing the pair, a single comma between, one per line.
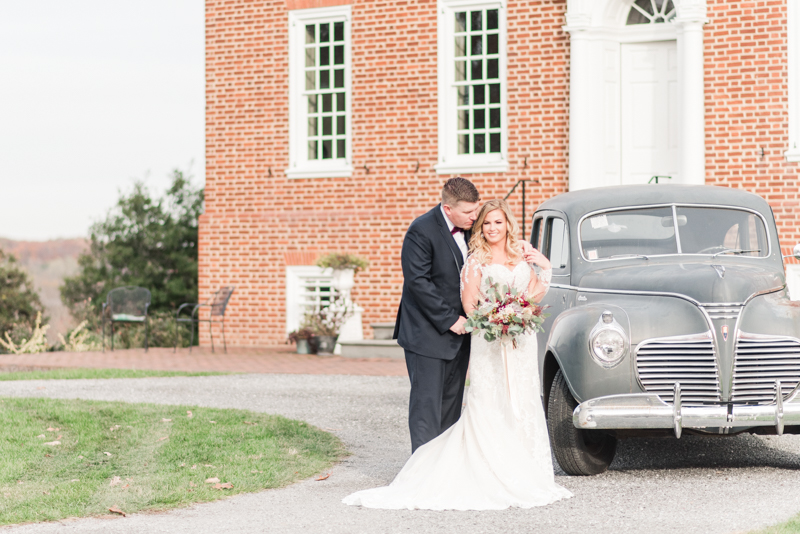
(551,236)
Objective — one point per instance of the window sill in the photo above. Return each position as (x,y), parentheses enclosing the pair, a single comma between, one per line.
(466,167)
(792,155)
(328,171)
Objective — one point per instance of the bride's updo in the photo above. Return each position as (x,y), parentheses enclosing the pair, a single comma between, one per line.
(479,248)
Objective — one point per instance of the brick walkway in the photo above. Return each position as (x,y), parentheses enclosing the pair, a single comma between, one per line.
(280,359)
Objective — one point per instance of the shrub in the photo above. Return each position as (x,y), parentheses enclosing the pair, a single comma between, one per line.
(19,303)
(342,260)
(23,339)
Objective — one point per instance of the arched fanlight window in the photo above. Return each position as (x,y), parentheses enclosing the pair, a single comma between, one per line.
(651,12)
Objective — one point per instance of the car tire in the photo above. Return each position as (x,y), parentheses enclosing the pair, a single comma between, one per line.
(578,452)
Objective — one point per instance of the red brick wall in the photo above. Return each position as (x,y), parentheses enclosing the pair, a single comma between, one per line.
(747,106)
(254,214)
(255,217)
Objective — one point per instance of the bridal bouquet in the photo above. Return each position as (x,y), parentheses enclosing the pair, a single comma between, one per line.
(505,314)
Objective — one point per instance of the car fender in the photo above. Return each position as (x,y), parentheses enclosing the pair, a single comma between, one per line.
(569,344)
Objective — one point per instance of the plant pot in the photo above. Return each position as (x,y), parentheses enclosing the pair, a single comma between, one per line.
(343,280)
(303,347)
(323,345)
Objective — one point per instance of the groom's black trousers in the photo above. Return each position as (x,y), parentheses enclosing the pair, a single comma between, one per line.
(437,393)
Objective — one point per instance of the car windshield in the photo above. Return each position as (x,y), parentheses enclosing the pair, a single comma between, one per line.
(651,232)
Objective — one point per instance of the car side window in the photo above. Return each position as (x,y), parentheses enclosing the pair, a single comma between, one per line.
(556,243)
(536,233)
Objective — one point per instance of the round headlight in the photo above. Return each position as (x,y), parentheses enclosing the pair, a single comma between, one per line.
(608,346)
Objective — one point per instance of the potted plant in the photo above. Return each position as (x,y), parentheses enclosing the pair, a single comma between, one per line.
(344,267)
(300,337)
(325,324)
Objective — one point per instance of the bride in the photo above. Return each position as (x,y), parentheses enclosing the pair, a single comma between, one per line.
(498,453)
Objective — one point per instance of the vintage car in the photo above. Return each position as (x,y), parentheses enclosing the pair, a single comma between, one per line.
(669,314)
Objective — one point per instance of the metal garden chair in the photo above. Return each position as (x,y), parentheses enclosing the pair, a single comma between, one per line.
(218,302)
(126,304)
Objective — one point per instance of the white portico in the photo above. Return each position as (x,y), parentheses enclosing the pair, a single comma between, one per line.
(636,91)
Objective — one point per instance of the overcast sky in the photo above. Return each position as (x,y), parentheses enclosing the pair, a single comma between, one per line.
(93,95)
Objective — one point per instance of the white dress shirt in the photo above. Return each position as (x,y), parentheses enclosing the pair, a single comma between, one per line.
(461,240)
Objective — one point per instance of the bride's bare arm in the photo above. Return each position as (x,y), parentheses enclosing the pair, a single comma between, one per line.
(470,285)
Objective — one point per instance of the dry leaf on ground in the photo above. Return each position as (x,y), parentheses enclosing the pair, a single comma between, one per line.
(192,484)
(224,485)
(75,480)
(51,429)
(107,453)
(41,436)
(52,443)
(249,423)
(213,422)
(162,439)
(114,481)
(116,510)
(166,420)
(322,477)
(207,465)
(212,480)
(189,414)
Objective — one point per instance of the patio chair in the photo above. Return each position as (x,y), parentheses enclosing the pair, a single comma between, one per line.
(218,302)
(126,304)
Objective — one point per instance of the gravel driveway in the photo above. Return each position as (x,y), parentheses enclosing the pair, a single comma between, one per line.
(702,485)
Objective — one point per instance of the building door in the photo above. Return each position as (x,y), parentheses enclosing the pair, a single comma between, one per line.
(649,109)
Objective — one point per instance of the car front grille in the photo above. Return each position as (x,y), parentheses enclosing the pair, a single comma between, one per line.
(690,360)
(760,361)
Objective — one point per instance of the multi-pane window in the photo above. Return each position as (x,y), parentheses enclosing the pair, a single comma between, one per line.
(472,87)
(651,12)
(320,141)
(477,78)
(308,289)
(325,90)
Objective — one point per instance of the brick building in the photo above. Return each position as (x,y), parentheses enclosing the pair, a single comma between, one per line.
(331,124)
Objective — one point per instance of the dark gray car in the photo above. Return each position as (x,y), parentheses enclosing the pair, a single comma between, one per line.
(669,314)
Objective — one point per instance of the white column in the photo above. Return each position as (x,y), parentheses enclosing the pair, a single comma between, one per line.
(581,93)
(691,90)
(793,12)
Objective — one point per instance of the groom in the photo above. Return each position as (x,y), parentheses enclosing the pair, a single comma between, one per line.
(430,321)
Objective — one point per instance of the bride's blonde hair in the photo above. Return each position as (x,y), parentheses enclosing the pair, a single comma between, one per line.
(478,246)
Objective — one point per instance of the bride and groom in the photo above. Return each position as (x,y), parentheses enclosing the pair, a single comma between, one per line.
(495,454)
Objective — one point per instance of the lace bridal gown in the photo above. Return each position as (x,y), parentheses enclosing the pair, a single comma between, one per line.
(498,453)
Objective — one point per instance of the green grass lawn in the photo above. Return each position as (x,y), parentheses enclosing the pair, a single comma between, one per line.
(95,373)
(143,456)
(790,527)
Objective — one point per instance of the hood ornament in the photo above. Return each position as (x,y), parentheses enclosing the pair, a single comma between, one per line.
(724,332)
(720,270)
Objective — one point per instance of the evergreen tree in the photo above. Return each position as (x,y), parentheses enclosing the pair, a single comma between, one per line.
(19,301)
(144,241)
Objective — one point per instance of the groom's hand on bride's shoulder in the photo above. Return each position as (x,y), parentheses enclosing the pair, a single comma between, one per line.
(458,327)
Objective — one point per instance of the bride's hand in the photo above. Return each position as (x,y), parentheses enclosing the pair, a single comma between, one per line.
(535,257)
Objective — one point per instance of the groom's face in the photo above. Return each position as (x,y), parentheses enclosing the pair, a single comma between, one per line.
(463,214)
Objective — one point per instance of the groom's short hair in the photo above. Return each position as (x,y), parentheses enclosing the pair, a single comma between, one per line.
(457,189)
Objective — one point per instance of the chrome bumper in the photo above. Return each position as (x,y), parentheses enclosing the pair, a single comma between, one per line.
(645,410)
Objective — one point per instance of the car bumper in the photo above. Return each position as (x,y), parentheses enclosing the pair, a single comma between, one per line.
(648,411)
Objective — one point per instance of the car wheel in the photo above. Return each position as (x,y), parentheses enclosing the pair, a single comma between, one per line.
(578,452)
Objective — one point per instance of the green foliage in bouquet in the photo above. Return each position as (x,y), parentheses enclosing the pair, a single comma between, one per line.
(505,314)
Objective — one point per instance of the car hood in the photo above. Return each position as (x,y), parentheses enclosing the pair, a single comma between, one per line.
(700,281)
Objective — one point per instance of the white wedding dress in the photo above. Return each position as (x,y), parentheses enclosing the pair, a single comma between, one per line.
(498,453)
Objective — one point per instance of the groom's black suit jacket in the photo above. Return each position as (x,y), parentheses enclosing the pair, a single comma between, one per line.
(431,301)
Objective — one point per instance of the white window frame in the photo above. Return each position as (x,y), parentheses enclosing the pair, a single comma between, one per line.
(450,161)
(299,164)
(296,301)
(793,13)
